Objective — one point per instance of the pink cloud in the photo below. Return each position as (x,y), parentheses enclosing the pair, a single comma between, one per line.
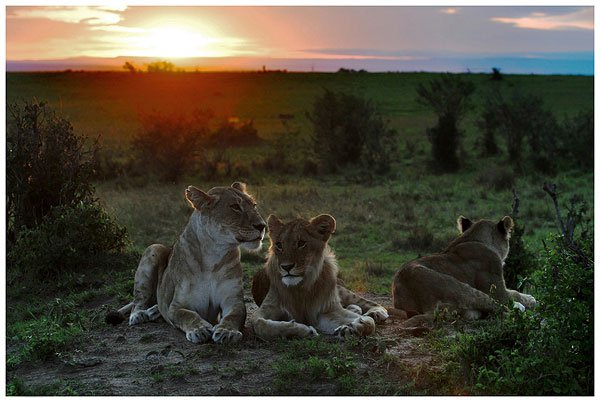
(581,19)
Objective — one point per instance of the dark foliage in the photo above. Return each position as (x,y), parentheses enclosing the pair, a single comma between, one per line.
(496,74)
(448,96)
(531,131)
(577,140)
(348,130)
(47,165)
(232,134)
(171,145)
(69,239)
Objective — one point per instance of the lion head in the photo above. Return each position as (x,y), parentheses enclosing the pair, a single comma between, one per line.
(228,214)
(495,235)
(297,249)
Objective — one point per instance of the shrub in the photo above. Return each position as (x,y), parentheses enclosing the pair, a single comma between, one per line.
(496,74)
(577,135)
(530,130)
(47,165)
(521,262)
(348,130)
(232,134)
(448,96)
(69,239)
(170,145)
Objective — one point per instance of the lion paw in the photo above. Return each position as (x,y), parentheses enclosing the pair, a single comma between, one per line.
(304,331)
(312,332)
(378,313)
(529,301)
(354,308)
(199,335)
(138,317)
(362,326)
(226,335)
(153,313)
(519,306)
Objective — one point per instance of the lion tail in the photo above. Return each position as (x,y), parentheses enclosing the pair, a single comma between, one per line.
(115,317)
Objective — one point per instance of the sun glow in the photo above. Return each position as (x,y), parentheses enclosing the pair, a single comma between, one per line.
(168,41)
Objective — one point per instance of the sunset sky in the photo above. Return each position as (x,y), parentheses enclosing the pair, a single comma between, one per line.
(388,35)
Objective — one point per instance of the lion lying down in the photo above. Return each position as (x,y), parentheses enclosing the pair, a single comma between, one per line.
(196,285)
(303,295)
(466,277)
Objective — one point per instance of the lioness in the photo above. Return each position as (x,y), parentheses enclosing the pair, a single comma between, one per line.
(302,293)
(200,278)
(467,276)
(348,299)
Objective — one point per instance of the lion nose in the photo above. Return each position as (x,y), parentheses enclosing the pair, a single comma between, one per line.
(287,267)
(260,227)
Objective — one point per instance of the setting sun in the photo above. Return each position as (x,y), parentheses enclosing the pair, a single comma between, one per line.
(170,41)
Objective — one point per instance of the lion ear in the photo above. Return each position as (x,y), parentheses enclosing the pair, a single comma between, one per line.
(463,224)
(322,226)
(239,186)
(198,198)
(505,225)
(274,224)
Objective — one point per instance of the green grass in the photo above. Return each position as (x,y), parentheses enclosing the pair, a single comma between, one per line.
(108,103)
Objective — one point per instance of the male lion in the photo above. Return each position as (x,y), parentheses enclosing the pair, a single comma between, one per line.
(200,278)
(467,276)
(302,293)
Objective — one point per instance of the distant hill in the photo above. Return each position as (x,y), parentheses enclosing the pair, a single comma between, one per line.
(571,64)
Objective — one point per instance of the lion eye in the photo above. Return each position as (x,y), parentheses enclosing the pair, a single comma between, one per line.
(236,207)
(279,246)
(301,244)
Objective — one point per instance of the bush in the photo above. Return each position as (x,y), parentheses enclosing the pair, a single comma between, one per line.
(170,145)
(548,350)
(232,134)
(448,96)
(47,165)
(530,130)
(69,239)
(348,130)
(521,262)
(577,135)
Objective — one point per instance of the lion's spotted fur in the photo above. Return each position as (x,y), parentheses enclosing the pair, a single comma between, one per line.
(197,284)
(302,275)
(467,276)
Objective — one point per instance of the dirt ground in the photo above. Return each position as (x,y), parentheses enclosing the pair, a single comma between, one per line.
(156,359)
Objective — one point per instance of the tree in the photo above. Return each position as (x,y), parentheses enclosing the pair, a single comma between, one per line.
(130,67)
(160,67)
(496,74)
(448,97)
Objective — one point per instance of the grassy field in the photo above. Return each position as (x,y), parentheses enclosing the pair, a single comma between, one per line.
(381,223)
(108,103)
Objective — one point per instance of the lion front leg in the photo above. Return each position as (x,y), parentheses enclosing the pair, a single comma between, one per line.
(233,312)
(153,259)
(267,322)
(342,322)
(350,299)
(196,328)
